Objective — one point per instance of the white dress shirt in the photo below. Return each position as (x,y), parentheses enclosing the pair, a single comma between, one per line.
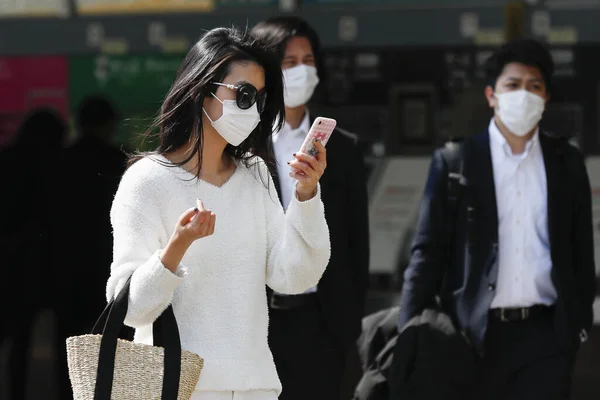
(286,142)
(523,240)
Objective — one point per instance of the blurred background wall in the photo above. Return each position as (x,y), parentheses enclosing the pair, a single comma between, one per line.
(403,75)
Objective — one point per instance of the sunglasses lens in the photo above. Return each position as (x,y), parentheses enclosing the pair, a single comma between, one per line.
(246,96)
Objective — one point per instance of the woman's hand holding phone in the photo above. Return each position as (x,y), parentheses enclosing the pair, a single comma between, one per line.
(307,170)
(310,162)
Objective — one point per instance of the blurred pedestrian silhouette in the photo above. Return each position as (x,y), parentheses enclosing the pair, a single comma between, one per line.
(26,178)
(91,171)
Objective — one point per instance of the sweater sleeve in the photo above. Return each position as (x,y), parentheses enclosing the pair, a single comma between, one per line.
(298,244)
(136,250)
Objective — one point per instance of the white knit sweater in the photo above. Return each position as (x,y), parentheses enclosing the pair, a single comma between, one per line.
(218,292)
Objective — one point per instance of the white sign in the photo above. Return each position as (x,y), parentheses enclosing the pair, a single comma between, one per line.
(469,24)
(593,166)
(95,34)
(393,209)
(288,5)
(348,28)
(34,8)
(540,23)
(157,31)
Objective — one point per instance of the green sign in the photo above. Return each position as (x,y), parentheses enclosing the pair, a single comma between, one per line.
(135,84)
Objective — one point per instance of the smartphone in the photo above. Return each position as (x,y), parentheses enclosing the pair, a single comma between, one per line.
(322,128)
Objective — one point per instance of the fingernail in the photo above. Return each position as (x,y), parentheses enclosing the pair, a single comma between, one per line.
(317,139)
(294,154)
(195,209)
(289,162)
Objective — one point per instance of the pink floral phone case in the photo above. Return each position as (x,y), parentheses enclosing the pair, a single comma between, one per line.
(322,129)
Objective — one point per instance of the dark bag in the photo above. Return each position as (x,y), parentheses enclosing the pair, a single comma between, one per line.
(376,346)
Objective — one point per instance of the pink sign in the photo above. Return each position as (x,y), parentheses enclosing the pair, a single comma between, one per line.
(27,83)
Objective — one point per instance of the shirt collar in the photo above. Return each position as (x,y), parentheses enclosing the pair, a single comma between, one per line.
(499,140)
(288,132)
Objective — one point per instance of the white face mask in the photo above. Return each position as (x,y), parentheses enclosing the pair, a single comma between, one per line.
(235,125)
(520,111)
(299,85)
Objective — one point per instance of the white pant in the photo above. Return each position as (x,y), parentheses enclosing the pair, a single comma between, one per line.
(247,395)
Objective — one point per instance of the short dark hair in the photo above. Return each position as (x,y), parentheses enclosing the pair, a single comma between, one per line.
(95,113)
(524,51)
(276,32)
(42,128)
(208,61)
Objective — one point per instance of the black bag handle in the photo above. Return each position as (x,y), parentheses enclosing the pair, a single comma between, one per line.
(454,154)
(165,334)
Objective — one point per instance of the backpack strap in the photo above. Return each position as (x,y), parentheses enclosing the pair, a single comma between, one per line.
(570,166)
(454,154)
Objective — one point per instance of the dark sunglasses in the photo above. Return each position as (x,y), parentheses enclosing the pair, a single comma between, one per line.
(247,95)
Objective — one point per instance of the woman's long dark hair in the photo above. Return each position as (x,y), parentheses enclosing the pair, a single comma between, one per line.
(210,60)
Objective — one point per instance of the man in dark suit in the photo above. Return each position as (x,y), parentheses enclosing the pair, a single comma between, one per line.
(518,270)
(312,334)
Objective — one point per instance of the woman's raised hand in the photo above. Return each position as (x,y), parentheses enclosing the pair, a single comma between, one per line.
(194,224)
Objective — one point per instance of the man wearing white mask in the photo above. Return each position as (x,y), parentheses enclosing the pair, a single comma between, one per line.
(312,334)
(518,265)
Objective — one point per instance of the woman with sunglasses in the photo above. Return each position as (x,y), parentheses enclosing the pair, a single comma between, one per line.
(197,223)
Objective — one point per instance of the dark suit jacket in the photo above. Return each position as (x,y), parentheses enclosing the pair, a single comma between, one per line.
(472,270)
(343,287)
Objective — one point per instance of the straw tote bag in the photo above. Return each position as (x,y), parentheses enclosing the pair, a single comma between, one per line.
(104,367)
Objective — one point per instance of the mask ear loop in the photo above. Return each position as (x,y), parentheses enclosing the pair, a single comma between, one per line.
(204,110)
(207,116)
